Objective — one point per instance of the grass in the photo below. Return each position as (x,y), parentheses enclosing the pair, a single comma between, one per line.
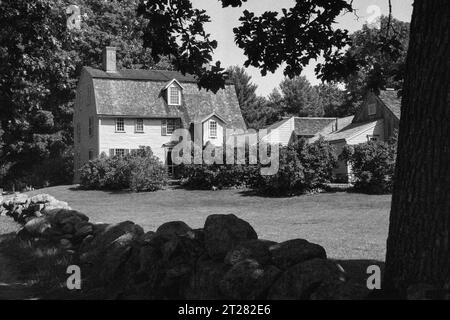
(348,225)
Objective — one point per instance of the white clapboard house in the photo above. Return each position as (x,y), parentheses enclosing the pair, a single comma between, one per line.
(117,111)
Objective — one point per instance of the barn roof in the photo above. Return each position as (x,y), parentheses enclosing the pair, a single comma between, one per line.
(392,101)
(139,93)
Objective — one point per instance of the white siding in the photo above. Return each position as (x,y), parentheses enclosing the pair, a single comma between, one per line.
(151,137)
(220,132)
(84,109)
(377,129)
(282,134)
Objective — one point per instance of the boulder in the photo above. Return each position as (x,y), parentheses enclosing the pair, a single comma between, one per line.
(251,249)
(223,232)
(302,280)
(83,229)
(248,280)
(38,227)
(292,252)
(42,198)
(55,205)
(177,228)
(20,198)
(62,216)
(204,283)
(103,239)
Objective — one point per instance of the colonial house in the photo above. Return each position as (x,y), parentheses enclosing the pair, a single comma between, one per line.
(117,111)
(377,120)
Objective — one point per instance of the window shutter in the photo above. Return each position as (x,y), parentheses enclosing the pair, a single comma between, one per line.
(111,152)
(164,127)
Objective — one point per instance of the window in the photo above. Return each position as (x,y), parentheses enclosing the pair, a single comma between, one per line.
(91,154)
(373,138)
(91,126)
(120,125)
(139,126)
(120,152)
(213,129)
(372,109)
(79,132)
(168,126)
(174,95)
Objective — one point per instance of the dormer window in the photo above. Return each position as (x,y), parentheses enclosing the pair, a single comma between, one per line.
(174,93)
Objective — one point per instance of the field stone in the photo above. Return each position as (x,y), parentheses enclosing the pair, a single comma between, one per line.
(248,280)
(251,249)
(178,228)
(20,198)
(37,226)
(339,290)
(42,198)
(292,252)
(302,280)
(223,232)
(204,283)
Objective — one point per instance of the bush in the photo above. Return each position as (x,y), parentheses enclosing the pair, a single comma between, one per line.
(303,166)
(205,177)
(138,171)
(373,165)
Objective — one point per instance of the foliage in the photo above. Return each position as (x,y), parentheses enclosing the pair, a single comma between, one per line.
(300,98)
(176,29)
(40,63)
(206,177)
(138,171)
(373,165)
(380,57)
(302,166)
(332,99)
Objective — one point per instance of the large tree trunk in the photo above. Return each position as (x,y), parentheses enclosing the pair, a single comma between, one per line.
(418,246)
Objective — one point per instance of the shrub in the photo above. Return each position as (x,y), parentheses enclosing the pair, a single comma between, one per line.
(302,167)
(138,171)
(205,177)
(373,165)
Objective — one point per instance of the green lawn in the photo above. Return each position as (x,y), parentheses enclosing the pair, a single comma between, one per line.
(348,225)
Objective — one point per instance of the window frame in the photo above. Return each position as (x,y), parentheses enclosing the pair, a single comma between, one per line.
(373,137)
(210,128)
(116,153)
(169,95)
(165,125)
(139,122)
(122,120)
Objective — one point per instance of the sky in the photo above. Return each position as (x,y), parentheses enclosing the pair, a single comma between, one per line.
(224,20)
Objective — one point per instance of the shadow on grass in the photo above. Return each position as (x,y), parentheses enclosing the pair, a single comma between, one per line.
(38,266)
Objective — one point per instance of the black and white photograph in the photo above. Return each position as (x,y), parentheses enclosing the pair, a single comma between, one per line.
(226,158)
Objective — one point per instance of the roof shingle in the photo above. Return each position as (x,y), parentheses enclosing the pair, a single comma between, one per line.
(392,101)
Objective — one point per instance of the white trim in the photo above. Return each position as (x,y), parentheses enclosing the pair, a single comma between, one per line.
(169,94)
(171,83)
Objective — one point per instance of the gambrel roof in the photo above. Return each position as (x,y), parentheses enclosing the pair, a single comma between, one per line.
(140,93)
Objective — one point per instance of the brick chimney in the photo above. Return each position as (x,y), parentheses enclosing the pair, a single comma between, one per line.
(109,59)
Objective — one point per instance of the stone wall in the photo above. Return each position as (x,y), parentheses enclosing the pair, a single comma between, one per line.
(223,260)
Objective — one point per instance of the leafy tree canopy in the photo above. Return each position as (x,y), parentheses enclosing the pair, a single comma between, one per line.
(40,63)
